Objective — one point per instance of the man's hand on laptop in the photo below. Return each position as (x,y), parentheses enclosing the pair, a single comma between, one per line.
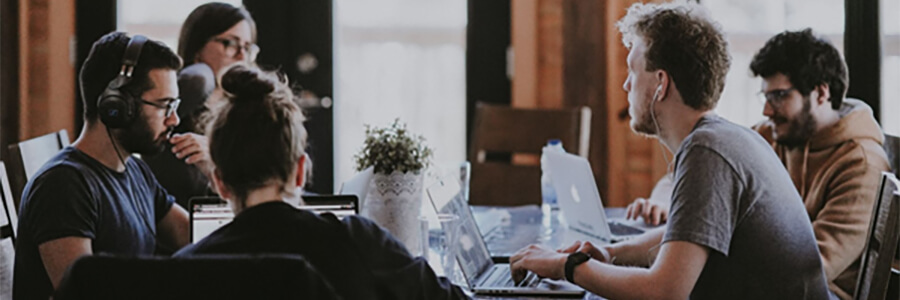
(653,212)
(543,262)
(599,253)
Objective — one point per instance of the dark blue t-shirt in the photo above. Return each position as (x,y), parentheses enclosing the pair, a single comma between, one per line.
(74,195)
(358,258)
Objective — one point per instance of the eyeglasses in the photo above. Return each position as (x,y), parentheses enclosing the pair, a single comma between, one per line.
(234,45)
(775,98)
(171,105)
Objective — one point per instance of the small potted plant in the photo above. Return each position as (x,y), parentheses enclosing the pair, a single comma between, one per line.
(394,198)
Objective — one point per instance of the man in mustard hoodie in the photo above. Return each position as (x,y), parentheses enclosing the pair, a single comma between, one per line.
(831,146)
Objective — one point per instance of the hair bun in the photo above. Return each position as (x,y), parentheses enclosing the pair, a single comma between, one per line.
(246,83)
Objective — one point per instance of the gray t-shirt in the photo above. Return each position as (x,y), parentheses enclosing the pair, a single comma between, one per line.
(733,196)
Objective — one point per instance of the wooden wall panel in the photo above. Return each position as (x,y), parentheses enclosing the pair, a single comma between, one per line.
(577,58)
(46,67)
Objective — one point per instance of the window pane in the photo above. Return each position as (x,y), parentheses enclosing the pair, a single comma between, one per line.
(399,58)
(748,25)
(159,19)
(890,67)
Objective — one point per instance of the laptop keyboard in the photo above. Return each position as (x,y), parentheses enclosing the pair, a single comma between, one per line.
(502,277)
(621,229)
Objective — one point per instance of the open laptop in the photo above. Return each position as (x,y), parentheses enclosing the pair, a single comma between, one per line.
(579,200)
(358,185)
(482,275)
(210,213)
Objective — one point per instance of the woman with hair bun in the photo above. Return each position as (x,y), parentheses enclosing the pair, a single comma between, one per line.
(257,142)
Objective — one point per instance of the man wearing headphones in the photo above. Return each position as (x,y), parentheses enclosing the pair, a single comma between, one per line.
(737,229)
(94,196)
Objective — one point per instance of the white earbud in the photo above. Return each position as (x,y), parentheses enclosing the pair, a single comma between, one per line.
(656,94)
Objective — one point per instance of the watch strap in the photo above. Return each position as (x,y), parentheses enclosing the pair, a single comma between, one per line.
(573,261)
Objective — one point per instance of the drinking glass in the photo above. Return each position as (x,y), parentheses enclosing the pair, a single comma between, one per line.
(439,241)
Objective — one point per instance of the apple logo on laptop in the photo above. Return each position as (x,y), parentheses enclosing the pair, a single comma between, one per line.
(575,196)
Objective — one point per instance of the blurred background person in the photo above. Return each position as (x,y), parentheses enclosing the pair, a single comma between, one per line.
(214,36)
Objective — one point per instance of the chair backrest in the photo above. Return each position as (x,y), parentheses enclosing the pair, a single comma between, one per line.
(27,157)
(892,149)
(884,230)
(502,131)
(267,276)
(7,258)
(8,207)
(8,222)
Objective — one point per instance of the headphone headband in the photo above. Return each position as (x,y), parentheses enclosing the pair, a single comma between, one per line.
(132,53)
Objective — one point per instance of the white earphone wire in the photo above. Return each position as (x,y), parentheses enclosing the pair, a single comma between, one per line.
(658,129)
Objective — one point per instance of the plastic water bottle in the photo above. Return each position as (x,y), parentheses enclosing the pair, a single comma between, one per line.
(548,194)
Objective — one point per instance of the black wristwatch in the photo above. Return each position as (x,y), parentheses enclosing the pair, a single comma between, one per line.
(573,261)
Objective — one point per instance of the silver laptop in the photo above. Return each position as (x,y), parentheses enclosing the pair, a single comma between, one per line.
(207,214)
(358,185)
(482,275)
(579,199)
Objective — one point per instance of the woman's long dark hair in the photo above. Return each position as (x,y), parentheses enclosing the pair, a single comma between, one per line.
(207,21)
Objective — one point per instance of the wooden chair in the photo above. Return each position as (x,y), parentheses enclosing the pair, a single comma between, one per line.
(884,230)
(27,157)
(499,132)
(8,224)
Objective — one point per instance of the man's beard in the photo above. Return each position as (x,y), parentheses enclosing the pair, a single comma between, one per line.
(138,138)
(800,129)
(643,124)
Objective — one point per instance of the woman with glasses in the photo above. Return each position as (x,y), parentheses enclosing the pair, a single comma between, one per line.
(214,36)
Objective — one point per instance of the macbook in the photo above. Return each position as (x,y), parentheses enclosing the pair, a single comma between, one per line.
(579,200)
(482,275)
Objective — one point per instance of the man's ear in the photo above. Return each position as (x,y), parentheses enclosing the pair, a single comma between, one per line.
(301,171)
(663,86)
(220,186)
(823,94)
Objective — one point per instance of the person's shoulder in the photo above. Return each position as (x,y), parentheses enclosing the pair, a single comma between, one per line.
(198,71)
(67,164)
(197,76)
(360,224)
(721,135)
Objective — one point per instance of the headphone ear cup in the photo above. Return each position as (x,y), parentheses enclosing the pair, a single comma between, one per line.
(116,109)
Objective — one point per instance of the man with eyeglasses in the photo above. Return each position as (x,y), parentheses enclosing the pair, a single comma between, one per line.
(94,196)
(830,145)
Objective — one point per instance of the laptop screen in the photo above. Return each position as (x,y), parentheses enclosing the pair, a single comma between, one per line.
(208,214)
(473,256)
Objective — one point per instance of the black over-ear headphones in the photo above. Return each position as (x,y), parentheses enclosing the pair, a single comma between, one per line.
(118,108)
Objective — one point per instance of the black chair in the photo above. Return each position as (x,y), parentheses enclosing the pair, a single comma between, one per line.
(884,231)
(201,277)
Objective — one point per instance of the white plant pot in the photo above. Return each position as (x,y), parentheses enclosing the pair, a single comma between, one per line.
(393,202)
